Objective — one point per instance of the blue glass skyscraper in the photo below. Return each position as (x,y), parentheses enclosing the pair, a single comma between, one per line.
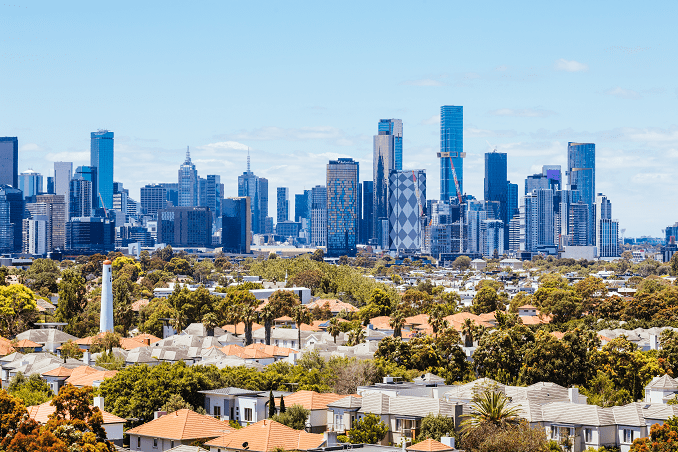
(451,151)
(9,161)
(342,207)
(394,127)
(581,172)
(496,185)
(101,157)
(387,156)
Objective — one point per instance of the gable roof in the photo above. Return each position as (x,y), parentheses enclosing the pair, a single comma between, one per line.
(429,445)
(183,425)
(267,435)
(40,413)
(312,400)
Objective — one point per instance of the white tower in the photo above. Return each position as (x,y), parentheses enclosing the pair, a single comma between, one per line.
(106,321)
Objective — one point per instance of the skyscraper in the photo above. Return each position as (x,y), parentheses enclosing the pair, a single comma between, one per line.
(581,171)
(30,183)
(236,225)
(189,190)
(63,172)
(496,185)
(607,229)
(283,204)
(451,153)
(342,207)
(80,198)
(257,189)
(87,173)
(387,156)
(54,207)
(319,216)
(11,216)
(185,226)
(214,197)
(101,157)
(407,201)
(9,161)
(368,210)
(153,198)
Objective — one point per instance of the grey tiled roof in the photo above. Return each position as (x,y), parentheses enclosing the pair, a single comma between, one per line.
(231,391)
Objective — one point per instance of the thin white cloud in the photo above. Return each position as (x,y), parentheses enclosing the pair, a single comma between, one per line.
(523,112)
(423,82)
(623,93)
(433,120)
(653,178)
(30,147)
(68,156)
(570,66)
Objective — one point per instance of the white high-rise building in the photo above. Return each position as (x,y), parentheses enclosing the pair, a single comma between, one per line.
(606,229)
(106,319)
(35,235)
(319,216)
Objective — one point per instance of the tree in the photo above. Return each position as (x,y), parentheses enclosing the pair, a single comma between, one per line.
(468,330)
(301,315)
(12,410)
(436,426)
(663,438)
(318,255)
(18,309)
(500,353)
(674,264)
(105,342)
(175,403)
(489,437)
(271,404)
(70,350)
(564,362)
(369,429)
(110,361)
(282,404)
(123,315)
(486,300)
(72,299)
(491,407)
(333,328)
(355,336)
(294,417)
(561,304)
(31,390)
(397,321)
(601,391)
(436,318)
(462,263)
(43,274)
(280,303)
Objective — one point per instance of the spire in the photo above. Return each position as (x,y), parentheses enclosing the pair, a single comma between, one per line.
(248,160)
(188,156)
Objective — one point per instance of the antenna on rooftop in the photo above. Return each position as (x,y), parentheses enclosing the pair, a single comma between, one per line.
(248,160)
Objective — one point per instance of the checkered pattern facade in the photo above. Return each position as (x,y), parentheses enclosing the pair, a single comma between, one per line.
(407,200)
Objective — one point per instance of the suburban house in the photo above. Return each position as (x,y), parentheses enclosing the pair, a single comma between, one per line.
(236,404)
(49,338)
(182,427)
(316,403)
(266,436)
(342,413)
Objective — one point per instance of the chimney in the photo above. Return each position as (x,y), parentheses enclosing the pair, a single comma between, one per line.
(573,393)
(330,438)
(388,379)
(87,358)
(654,342)
(448,441)
(147,341)
(157,414)
(99,402)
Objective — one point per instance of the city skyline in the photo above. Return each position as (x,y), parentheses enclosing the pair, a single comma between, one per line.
(527,97)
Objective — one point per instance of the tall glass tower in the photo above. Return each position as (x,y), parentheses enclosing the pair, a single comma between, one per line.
(387,156)
(581,172)
(188,183)
(101,157)
(496,185)
(343,202)
(9,161)
(451,151)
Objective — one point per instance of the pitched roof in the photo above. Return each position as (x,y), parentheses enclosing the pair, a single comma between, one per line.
(240,328)
(60,371)
(183,425)
(26,343)
(312,400)
(334,305)
(232,391)
(664,382)
(86,376)
(5,346)
(272,350)
(429,445)
(137,305)
(347,402)
(40,413)
(382,322)
(267,435)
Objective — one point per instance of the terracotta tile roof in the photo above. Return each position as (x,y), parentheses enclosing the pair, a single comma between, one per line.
(88,376)
(240,328)
(137,305)
(312,400)
(130,343)
(232,349)
(535,319)
(305,327)
(60,371)
(272,350)
(246,352)
(149,337)
(41,414)
(5,346)
(284,318)
(381,323)
(183,425)
(267,435)
(557,334)
(334,305)
(429,445)
(527,306)
(459,317)
(420,319)
(25,343)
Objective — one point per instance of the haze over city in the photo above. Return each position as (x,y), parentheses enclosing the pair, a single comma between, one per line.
(302,83)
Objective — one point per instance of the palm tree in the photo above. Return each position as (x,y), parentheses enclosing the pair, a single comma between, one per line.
(333,328)
(301,315)
(268,315)
(468,330)
(397,322)
(436,318)
(248,315)
(356,336)
(492,407)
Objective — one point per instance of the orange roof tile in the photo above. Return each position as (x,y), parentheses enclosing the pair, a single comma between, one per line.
(312,400)
(240,328)
(147,337)
(183,425)
(5,346)
(334,305)
(381,322)
(267,435)
(535,319)
(527,306)
(40,413)
(557,334)
(137,305)
(306,327)
(89,378)
(25,343)
(429,445)
(272,350)
(232,349)
(130,343)
(420,319)
(60,371)
(284,318)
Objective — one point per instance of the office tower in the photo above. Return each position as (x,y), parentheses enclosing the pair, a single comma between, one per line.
(50,190)
(549,178)
(342,206)
(492,238)
(80,197)
(671,231)
(497,185)
(172,192)
(319,216)
(214,198)
(120,197)
(236,229)
(133,209)
(185,226)
(30,183)
(189,190)
(54,208)
(301,206)
(283,204)
(89,173)
(268,225)
(512,200)
(11,216)
(366,224)
(101,158)
(607,229)
(126,235)
(9,161)
(288,229)
(581,171)
(106,315)
(514,233)
(578,224)
(539,221)
(35,235)
(90,234)
(407,201)
(153,198)
(63,172)
(387,149)
(474,215)
(257,189)
(451,153)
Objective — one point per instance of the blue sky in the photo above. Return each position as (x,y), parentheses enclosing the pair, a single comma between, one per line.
(302,82)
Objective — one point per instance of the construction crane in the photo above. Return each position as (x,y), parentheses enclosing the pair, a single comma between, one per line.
(103,205)
(456,181)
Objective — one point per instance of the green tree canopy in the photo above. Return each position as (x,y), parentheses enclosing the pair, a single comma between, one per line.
(369,429)
(294,417)
(18,309)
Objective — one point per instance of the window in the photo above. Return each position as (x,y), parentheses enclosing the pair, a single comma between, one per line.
(155,443)
(171,444)
(217,411)
(628,435)
(248,414)
(554,432)
(139,442)
(588,437)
